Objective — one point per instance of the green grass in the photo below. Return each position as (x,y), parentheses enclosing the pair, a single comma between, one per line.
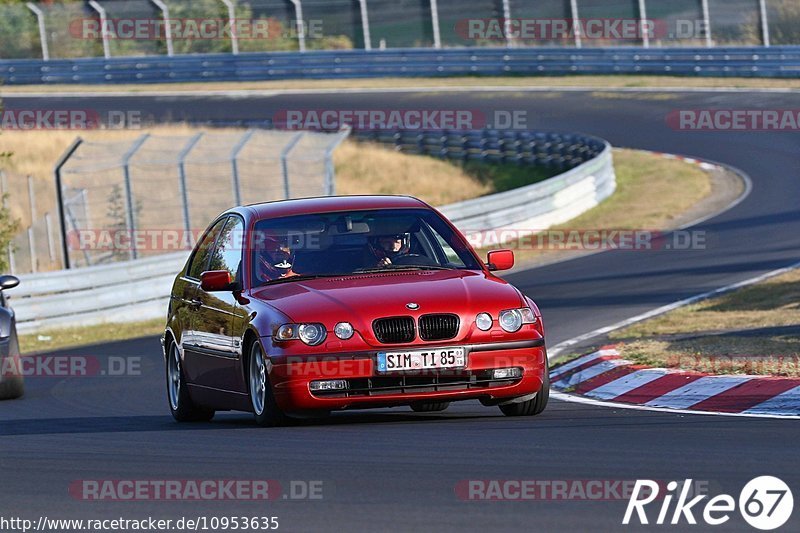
(49,340)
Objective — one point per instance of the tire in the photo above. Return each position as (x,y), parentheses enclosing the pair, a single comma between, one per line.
(12,386)
(531,407)
(180,404)
(265,408)
(429,407)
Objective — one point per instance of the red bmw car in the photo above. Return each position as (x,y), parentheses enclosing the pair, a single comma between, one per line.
(302,307)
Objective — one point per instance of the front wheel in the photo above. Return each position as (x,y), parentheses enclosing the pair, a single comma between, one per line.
(536,405)
(180,404)
(265,408)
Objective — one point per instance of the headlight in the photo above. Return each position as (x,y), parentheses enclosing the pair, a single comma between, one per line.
(484,321)
(311,334)
(513,319)
(343,330)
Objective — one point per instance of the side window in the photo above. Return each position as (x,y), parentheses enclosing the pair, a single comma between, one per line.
(228,253)
(452,256)
(201,255)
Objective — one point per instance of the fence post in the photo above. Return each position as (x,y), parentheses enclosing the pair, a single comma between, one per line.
(51,245)
(187,222)
(764,22)
(60,197)
(232,19)
(330,170)
(237,188)
(437,33)
(576,23)
(12,262)
(365,25)
(300,24)
(32,249)
(707,23)
(42,29)
(168,33)
(103,27)
(130,206)
(285,162)
(643,23)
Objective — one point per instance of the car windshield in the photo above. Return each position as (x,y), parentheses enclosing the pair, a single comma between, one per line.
(346,243)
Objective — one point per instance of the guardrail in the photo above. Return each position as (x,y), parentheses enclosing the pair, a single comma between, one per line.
(774,62)
(140,289)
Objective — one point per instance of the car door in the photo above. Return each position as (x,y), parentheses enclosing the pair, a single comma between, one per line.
(186,292)
(218,322)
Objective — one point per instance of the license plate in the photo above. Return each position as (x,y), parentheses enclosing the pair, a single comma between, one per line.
(422,359)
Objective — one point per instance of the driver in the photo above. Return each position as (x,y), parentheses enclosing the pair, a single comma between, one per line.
(276,260)
(389,248)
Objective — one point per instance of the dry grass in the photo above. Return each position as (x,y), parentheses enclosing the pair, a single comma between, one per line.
(458,81)
(753,330)
(47,341)
(652,194)
(373,169)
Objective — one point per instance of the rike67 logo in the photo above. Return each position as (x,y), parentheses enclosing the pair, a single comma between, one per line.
(765,503)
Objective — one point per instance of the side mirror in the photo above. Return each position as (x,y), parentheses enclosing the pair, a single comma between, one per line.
(500,260)
(216,281)
(8,282)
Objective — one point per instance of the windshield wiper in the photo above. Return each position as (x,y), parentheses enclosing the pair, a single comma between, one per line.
(296,278)
(398,269)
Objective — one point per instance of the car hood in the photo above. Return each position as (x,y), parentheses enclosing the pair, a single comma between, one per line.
(361,299)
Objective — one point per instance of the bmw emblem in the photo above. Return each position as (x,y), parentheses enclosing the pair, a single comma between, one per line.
(413,306)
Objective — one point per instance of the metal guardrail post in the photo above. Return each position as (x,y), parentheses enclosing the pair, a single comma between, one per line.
(103,27)
(437,32)
(237,189)
(764,23)
(707,23)
(167,31)
(187,222)
(365,24)
(301,25)
(62,219)
(42,29)
(232,19)
(643,23)
(130,205)
(285,162)
(576,23)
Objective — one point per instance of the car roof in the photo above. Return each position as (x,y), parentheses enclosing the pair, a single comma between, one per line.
(329,204)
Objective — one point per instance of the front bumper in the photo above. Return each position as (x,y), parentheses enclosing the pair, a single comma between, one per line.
(290,378)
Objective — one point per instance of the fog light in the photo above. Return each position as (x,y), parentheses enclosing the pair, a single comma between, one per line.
(506,373)
(484,321)
(343,330)
(333,384)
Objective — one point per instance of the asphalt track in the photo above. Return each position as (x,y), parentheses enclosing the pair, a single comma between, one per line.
(396,470)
